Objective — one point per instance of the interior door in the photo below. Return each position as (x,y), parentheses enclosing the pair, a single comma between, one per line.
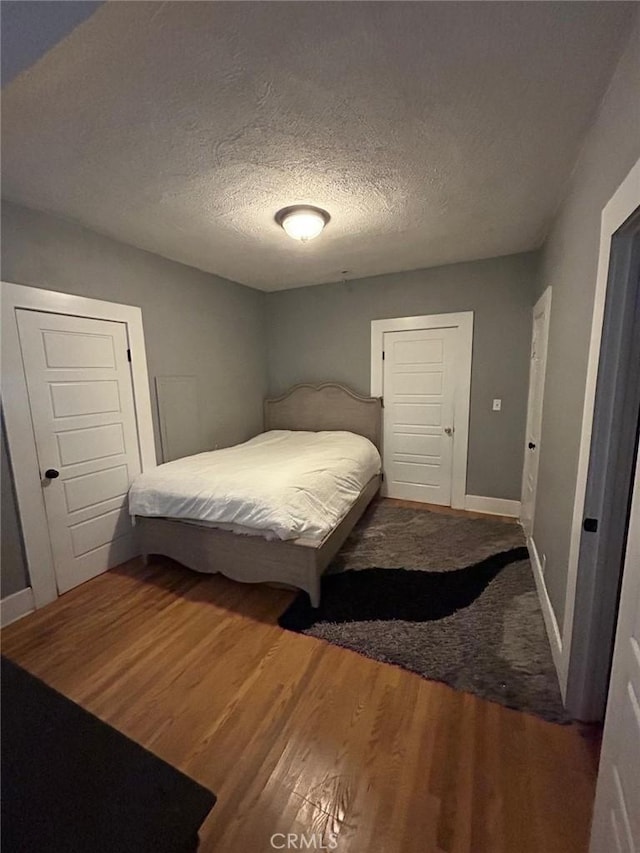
(81,400)
(419,392)
(616,820)
(537,368)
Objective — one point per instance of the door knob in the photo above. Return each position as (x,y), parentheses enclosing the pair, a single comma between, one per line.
(531,446)
(51,474)
(448,430)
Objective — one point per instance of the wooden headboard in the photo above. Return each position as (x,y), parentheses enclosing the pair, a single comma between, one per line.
(325,407)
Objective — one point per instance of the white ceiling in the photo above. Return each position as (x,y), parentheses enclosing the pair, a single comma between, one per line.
(431,132)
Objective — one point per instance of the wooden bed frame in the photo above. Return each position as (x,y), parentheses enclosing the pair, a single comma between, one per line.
(251,559)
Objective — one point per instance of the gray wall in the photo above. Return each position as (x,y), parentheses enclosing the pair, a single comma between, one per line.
(13,576)
(194,323)
(324,332)
(569,264)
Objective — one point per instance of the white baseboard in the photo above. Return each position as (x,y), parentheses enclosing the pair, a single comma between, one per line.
(16,606)
(550,621)
(492,506)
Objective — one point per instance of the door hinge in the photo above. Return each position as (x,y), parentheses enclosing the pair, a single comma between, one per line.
(383,355)
(590,525)
(128,355)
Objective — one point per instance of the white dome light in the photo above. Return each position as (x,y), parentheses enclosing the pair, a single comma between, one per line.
(302,222)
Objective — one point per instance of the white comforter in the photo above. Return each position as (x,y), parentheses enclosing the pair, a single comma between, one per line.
(281,483)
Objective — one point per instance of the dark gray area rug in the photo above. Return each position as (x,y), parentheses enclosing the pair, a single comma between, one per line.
(71,783)
(451,598)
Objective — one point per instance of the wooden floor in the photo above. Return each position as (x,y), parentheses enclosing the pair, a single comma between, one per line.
(447,510)
(297,736)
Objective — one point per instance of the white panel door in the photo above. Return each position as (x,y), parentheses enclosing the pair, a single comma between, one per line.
(537,370)
(81,399)
(419,393)
(616,819)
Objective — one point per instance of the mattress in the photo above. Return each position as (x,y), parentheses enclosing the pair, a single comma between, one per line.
(281,484)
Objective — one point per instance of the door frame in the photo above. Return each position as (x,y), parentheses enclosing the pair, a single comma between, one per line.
(17,412)
(463,321)
(543,303)
(615,213)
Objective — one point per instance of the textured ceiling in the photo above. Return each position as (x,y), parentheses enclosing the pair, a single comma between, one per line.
(431,132)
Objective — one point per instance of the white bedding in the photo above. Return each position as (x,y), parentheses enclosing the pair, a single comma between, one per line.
(283,484)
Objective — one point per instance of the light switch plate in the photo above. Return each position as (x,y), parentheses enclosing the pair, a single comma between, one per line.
(497,405)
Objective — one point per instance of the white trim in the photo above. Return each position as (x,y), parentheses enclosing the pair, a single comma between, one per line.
(550,621)
(462,320)
(17,413)
(621,205)
(15,606)
(492,506)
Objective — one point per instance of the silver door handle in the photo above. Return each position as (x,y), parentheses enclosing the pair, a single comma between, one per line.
(448,430)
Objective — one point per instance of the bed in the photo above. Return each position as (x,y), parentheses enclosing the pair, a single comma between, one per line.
(259,555)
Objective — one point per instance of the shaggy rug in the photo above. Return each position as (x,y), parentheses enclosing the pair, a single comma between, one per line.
(451,598)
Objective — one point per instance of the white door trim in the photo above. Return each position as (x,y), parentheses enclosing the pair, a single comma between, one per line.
(17,413)
(621,205)
(462,320)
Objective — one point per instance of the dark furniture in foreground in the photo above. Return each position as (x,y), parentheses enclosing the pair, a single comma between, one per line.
(72,783)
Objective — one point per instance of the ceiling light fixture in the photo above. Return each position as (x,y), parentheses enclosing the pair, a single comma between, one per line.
(302,221)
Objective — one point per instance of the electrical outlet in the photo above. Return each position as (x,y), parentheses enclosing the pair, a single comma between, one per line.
(497,405)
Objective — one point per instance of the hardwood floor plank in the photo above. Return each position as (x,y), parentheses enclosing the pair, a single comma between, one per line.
(487,810)
(298,736)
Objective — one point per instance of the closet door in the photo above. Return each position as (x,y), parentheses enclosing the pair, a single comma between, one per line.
(616,817)
(81,399)
(419,393)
